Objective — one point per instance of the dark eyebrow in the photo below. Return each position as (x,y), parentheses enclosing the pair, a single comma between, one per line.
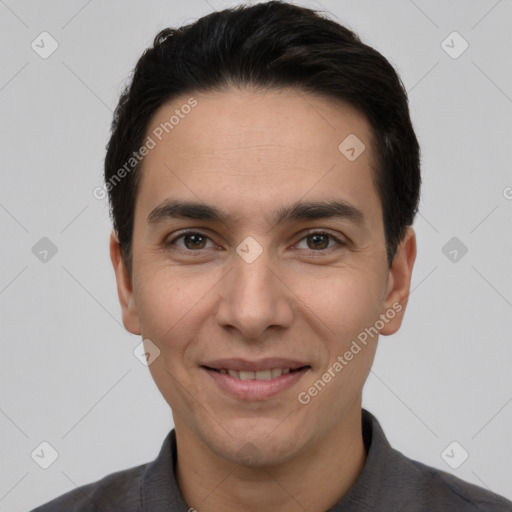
(311,210)
(185,210)
(321,210)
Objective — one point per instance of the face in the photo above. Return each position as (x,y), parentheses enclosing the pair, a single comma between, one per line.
(258,261)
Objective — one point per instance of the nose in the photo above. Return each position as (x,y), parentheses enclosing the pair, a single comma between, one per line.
(255,297)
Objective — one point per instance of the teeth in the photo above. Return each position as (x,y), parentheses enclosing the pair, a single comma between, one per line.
(261,375)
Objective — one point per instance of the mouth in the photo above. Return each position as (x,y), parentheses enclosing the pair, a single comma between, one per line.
(269,374)
(258,380)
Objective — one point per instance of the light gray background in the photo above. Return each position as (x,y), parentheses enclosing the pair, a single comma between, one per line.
(68,374)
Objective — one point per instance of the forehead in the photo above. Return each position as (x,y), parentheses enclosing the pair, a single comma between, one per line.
(258,147)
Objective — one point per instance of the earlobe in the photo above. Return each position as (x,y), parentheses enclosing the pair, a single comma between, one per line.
(125,293)
(399,283)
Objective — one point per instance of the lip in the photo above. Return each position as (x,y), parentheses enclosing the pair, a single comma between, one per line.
(236,363)
(256,389)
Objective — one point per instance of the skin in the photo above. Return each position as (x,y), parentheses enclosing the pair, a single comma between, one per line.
(249,153)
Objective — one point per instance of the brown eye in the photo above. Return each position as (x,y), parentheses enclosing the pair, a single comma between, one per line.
(318,241)
(190,241)
(194,241)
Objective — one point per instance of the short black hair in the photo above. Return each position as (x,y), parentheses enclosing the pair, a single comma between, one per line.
(272,45)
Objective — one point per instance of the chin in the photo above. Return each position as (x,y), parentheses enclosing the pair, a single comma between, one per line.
(253,443)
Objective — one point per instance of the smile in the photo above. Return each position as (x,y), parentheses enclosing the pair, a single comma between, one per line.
(261,380)
(261,375)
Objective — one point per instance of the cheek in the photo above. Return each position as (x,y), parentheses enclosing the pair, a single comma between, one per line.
(348,308)
(171,312)
(342,304)
(172,307)
(161,304)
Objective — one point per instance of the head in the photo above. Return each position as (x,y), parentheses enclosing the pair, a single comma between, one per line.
(284,145)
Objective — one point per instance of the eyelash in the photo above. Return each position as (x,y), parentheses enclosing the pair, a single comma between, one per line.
(171,243)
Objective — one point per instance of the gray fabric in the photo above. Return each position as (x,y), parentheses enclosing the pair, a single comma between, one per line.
(389,482)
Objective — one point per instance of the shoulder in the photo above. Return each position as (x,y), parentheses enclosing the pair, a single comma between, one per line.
(149,486)
(436,490)
(114,492)
(391,481)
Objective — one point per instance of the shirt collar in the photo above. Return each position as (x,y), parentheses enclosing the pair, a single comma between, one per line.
(159,490)
(366,493)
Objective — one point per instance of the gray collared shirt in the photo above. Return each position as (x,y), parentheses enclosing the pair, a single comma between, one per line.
(389,482)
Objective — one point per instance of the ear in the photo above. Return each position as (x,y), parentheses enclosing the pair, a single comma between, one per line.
(124,287)
(399,283)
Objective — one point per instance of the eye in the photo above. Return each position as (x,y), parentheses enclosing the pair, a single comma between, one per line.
(315,241)
(319,241)
(192,240)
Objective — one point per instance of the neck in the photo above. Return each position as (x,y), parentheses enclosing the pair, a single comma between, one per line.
(314,480)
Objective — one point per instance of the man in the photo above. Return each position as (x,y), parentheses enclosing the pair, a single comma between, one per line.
(264,175)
